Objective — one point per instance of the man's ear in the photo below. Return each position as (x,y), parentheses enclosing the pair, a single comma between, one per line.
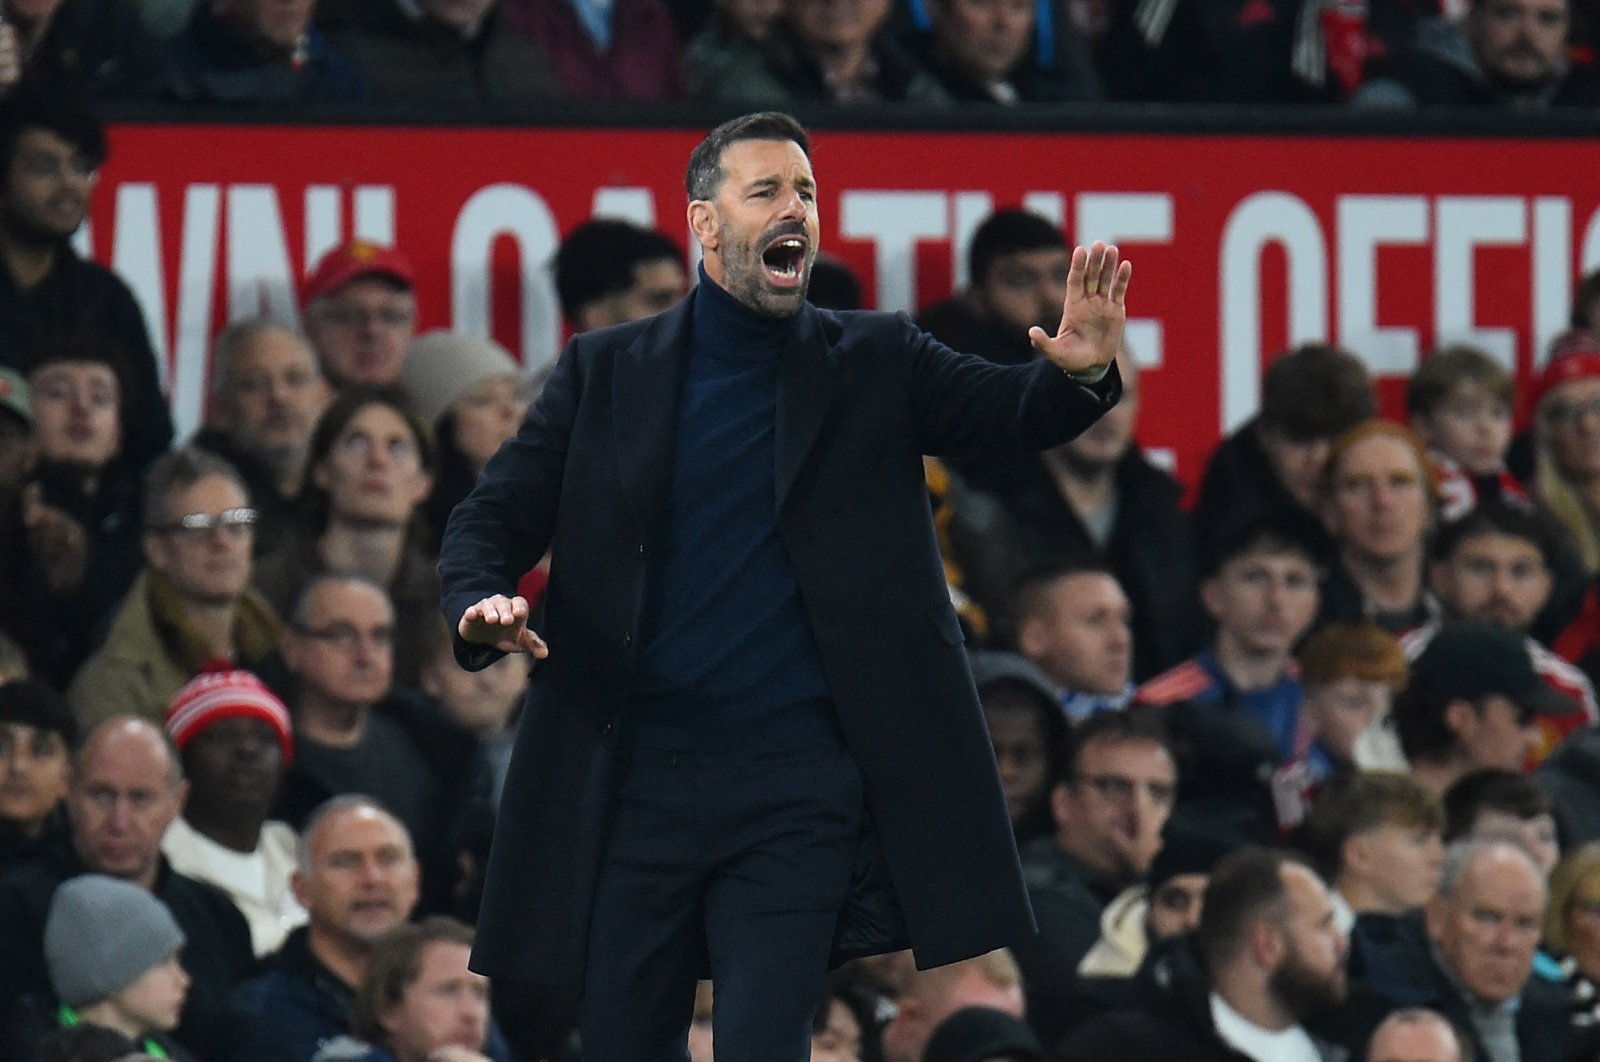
(1211,597)
(1266,945)
(1061,803)
(703,223)
(1353,854)
(155,550)
(1031,638)
(1460,718)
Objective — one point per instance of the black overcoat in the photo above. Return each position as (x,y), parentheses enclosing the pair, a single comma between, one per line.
(861,397)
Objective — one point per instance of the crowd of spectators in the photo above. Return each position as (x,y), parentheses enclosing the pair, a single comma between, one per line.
(1310,765)
(441,54)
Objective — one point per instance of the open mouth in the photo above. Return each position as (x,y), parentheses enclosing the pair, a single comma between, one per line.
(785,260)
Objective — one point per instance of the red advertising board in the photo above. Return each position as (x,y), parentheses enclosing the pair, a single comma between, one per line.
(1241,244)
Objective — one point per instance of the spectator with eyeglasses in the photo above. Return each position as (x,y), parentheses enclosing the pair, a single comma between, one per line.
(51,152)
(1566,432)
(369,471)
(354,732)
(126,788)
(192,608)
(1477,965)
(1116,792)
(1571,932)
(360,313)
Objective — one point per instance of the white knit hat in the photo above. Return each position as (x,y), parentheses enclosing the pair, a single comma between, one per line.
(442,366)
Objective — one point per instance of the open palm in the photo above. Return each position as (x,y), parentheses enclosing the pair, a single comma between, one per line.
(1094,313)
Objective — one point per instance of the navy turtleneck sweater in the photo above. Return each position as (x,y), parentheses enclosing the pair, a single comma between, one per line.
(727,660)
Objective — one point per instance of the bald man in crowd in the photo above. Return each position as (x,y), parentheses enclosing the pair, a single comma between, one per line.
(126,788)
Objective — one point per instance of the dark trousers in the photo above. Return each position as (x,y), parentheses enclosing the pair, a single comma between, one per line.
(741,858)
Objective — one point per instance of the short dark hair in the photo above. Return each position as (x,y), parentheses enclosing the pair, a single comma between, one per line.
(178,470)
(1497,516)
(392,967)
(1316,391)
(1009,232)
(1448,366)
(1355,803)
(1271,534)
(705,173)
(1028,592)
(1139,723)
(32,107)
(598,258)
(1517,795)
(1246,887)
(86,350)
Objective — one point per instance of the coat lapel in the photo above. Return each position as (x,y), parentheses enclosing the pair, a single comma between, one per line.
(807,379)
(647,389)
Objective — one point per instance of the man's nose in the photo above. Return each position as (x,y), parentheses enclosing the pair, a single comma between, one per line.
(793,205)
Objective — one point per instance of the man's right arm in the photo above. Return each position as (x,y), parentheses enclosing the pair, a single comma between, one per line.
(504,526)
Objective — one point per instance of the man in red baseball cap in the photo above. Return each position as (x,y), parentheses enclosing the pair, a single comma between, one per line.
(360,312)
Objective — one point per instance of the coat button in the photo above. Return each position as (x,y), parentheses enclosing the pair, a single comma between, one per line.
(627,640)
(606,729)
(641,549)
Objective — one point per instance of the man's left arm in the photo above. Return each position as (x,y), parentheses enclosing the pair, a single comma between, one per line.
(966,404)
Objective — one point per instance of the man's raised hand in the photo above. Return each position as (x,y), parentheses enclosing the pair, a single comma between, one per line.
(1093,315)
(502,623)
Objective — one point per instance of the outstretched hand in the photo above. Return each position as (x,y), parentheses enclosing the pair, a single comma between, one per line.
(502,623)
(1093,315)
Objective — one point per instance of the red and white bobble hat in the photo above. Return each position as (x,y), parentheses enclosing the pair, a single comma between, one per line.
(218,695)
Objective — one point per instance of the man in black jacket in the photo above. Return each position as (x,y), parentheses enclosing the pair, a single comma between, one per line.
(1483,932)
(1265,957)
(1099,496)
(126,788)
(50,155)
(747,600)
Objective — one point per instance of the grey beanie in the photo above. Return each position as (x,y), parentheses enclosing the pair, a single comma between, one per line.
(442,366)
(102,935)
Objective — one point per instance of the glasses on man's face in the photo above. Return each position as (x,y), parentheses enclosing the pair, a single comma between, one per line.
(345,637)
(234,523)
(395,317)
(1121,788)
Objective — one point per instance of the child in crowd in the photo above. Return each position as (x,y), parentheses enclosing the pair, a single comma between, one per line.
(1460,402)
(1350,672)
(1377,837)
(112,949)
